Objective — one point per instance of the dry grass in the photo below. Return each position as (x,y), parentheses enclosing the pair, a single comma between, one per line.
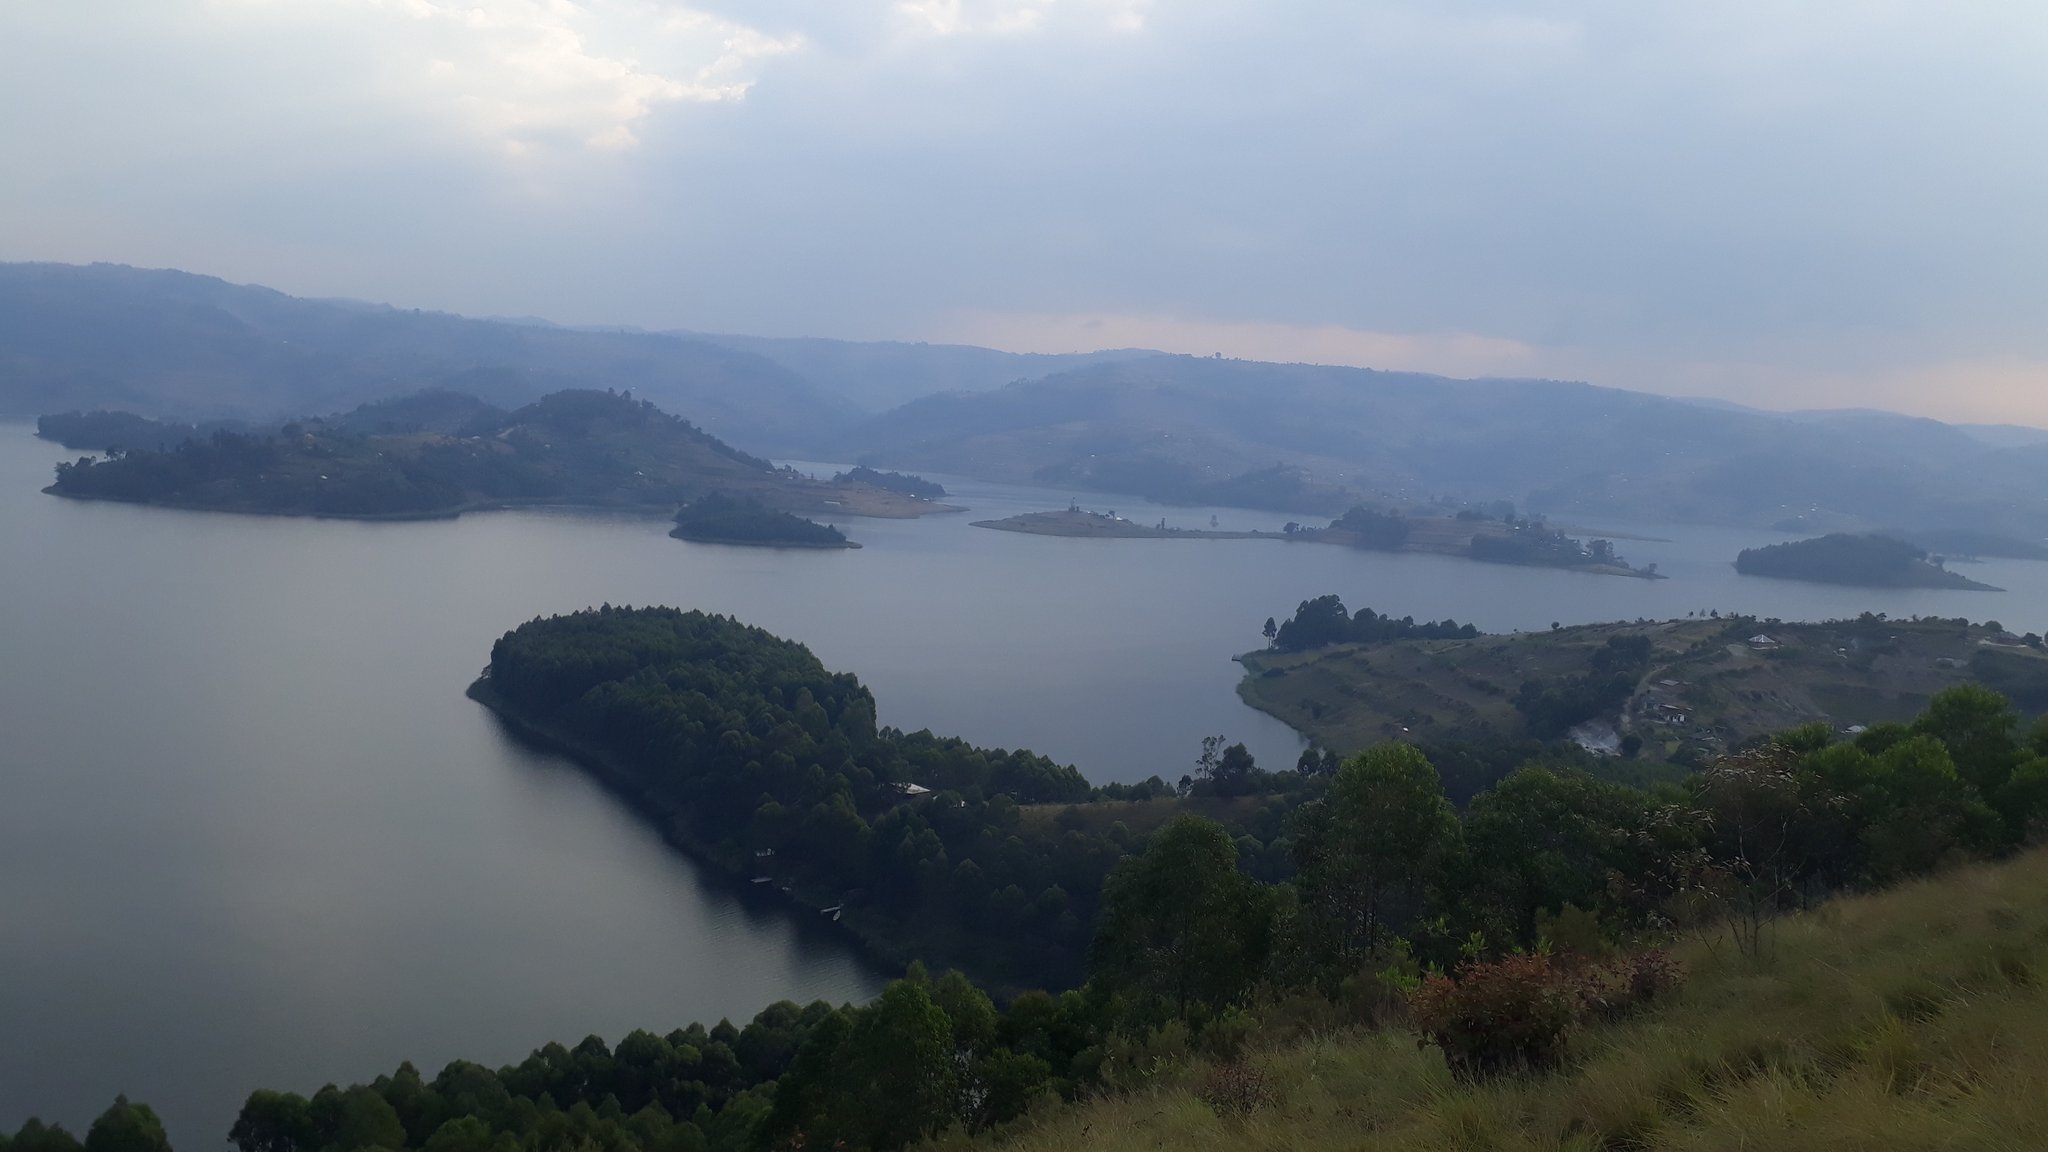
(1914,1019)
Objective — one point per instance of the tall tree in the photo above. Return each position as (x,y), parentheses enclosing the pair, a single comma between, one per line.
(126,1127)
(1541,839)
(1365,852)
(1180,924)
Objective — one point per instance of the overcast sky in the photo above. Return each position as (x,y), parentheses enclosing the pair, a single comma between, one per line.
(1782,203)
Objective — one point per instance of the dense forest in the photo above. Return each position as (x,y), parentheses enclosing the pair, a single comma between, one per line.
(440,453)
(1489,923)
(1865,561)
(751,752)
(717,518)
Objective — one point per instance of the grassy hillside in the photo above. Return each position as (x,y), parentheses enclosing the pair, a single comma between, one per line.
(1913,1019)
(1708,688)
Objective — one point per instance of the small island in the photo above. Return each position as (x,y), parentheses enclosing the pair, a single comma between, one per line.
(1859,561)
(722,519)
(1529,543)
(1108,526)
(903,482)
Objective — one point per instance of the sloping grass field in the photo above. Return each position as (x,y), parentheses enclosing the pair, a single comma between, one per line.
(1910,1019)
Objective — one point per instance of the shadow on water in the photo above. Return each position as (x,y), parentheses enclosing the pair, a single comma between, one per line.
(760,905)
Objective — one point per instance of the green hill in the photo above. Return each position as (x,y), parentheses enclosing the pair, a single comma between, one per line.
(439,454)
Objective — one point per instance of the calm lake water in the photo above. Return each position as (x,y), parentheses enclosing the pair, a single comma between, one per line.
(253,835)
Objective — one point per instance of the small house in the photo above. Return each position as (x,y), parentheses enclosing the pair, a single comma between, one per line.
(1764,642)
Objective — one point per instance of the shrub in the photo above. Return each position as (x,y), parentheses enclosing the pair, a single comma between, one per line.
(1516,1013)
(1235,1089)
(1500,1016)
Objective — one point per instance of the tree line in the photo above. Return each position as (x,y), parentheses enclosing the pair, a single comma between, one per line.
(1324,621)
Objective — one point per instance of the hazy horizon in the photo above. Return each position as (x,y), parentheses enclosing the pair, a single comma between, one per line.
(1828,207)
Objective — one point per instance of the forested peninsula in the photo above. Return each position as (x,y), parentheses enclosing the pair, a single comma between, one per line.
(1861,561)
(441,454)
(763,764)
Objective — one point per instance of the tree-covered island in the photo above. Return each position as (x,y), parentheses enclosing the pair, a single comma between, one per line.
(441,454)
(909,485)
(717,518)
(1862,561)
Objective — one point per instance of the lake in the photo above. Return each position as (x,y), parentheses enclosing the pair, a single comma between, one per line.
(252,834)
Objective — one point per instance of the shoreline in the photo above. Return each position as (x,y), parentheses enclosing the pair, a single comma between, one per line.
(884,957)
(648,511)
(799,545)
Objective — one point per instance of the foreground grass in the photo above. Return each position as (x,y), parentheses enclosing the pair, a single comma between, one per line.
(1913,1019)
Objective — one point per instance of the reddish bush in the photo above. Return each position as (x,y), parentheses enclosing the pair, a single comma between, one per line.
(1515,1013)
(1506,1015)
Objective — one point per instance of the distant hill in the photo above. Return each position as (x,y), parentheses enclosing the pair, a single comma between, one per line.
(171,344)
(438,454)
(1961,542)
(878,375)
(2007,435)
(102,430)
(1565,449)
(1863,561)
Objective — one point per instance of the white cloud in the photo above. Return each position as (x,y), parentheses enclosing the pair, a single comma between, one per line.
(527,75)
(1014,17)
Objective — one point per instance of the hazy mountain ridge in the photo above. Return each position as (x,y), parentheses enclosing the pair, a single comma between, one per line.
(1557,447)
(167,343)
(879,375)
(172,344)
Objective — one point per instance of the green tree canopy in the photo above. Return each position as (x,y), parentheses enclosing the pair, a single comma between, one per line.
(1180,923)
